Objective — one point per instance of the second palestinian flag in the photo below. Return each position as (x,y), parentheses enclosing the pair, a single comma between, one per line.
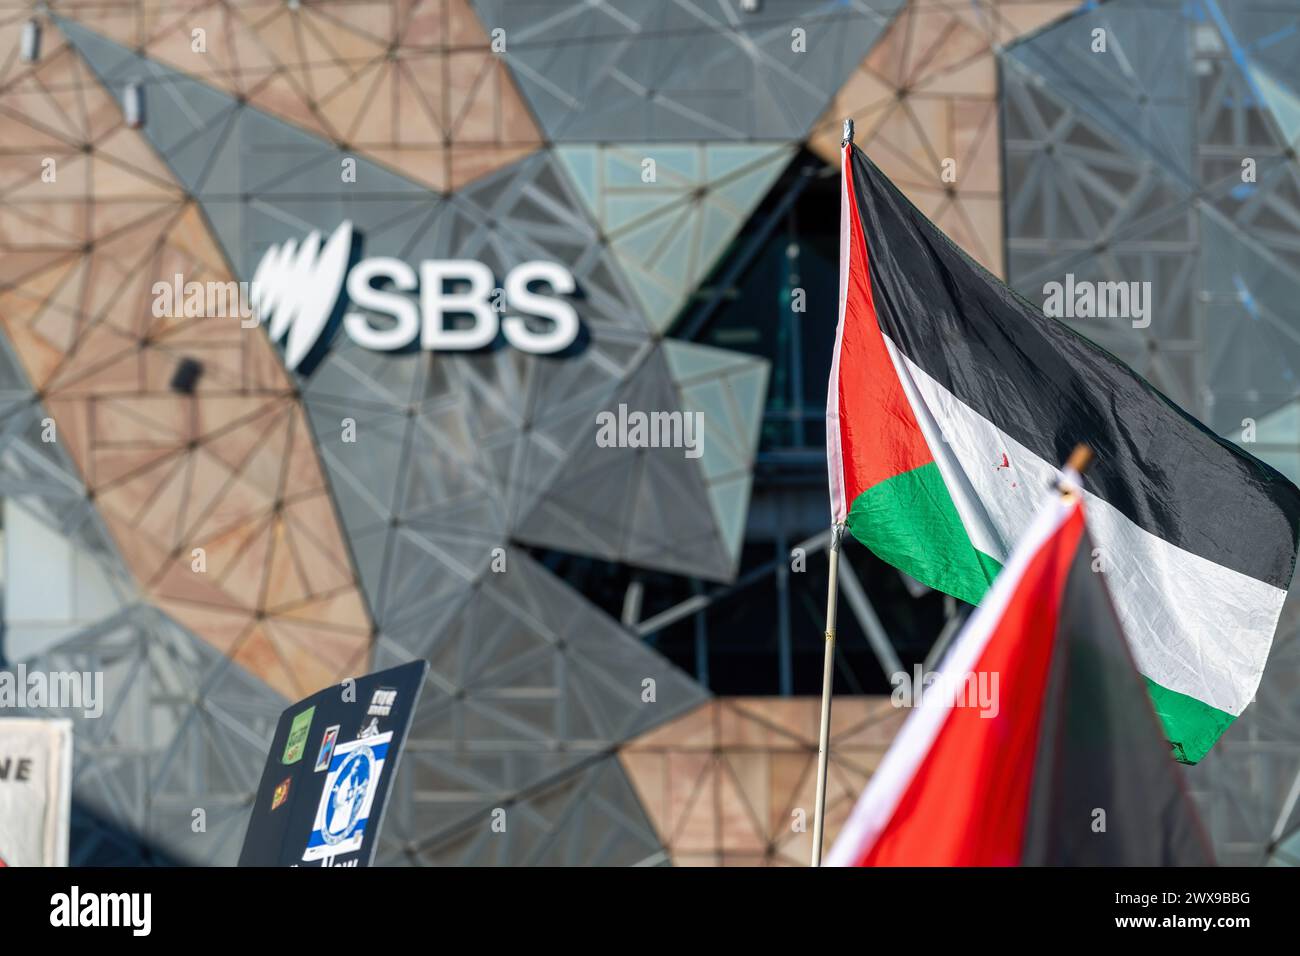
(951,402)
(1036,743)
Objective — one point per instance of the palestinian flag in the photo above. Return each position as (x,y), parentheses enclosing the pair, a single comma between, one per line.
(952,400)
(1063,764)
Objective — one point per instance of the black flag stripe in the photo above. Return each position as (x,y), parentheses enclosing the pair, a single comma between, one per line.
(1049,388)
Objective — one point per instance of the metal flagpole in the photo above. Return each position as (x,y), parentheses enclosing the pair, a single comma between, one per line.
(828,674)
(828,662)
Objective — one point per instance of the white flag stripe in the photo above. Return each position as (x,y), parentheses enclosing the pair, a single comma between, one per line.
(1195,627)
(834,451)
(983,532)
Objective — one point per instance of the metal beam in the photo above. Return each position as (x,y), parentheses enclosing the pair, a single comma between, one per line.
(871,626)
(695,325)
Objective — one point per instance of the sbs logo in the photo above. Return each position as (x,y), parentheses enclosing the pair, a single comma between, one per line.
(298,289)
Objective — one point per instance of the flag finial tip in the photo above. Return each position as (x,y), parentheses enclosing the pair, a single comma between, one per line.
(1079,459)
(1070,482)
(848,133)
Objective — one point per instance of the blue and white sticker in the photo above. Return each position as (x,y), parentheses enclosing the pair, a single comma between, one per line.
(326,751)
(350,786)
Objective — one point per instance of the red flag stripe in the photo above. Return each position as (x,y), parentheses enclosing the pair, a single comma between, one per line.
(872,432)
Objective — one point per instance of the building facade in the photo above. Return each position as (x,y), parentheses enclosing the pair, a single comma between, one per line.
(624,640)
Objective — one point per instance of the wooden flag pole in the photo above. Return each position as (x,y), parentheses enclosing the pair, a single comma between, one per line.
(828,662)
(828,675)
